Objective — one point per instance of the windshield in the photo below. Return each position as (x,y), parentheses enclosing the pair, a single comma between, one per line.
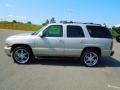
(36,32)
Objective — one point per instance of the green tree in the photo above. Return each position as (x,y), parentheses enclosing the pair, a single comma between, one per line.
(14,21)
(29,22)
(117,29)
(46,22)
(71,22)
(52,20)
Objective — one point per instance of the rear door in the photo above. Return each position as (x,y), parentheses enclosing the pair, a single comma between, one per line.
(74,40)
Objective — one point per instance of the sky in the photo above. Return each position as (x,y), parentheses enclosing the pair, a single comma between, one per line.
(37,11)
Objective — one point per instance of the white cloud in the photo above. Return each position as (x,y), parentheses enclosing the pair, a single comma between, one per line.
(8,5)
(117,25)
(2,18)
(20,18)
(14,17)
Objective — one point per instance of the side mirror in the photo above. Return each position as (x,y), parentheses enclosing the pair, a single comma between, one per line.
(42,35)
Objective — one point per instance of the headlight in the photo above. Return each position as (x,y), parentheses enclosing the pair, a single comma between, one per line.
(7,44)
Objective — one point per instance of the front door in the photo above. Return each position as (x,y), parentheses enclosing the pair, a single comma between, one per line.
(52,42)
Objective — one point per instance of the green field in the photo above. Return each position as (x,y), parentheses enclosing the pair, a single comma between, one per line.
(20,26)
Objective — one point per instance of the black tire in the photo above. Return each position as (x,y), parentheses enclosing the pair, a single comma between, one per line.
(22,55)
(87,61)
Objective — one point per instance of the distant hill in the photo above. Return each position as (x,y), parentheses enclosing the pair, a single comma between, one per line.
(19,26)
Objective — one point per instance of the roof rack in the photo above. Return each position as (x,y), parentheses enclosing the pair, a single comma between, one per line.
(80,23)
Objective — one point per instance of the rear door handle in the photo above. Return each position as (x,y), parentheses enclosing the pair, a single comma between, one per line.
(81,41)
(61,41)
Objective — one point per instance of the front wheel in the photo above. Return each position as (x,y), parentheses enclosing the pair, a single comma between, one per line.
(22,55)
(90,58)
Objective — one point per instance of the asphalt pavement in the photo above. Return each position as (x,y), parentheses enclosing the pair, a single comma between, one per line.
(58,74)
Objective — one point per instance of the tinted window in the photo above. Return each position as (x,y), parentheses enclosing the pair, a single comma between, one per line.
(74,31)
(54,31)
(99,32)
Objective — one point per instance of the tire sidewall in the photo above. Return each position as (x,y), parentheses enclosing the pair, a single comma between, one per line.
(86,52)
(25,48)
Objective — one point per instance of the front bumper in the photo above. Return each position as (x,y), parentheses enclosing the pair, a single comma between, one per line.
(7,50)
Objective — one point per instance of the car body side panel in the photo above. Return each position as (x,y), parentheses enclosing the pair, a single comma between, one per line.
(102,43)
(73,46)
(49,46)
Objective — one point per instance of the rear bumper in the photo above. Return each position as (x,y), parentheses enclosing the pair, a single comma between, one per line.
(7,50)
(112,53)
(107,53)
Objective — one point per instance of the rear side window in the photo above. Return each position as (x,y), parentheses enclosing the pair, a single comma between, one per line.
(99,32)
(74,31)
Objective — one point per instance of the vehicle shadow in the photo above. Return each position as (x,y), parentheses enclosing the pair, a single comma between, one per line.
(58,61)
(109,62)
(105,62)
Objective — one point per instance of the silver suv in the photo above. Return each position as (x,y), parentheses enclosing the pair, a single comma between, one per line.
(87,41)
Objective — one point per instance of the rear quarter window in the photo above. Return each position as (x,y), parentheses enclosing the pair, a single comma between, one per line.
(98,32)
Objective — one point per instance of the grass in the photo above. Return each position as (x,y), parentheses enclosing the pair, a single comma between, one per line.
(20,26)
(113,32)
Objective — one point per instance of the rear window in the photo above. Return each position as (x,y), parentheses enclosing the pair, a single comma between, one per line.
(99,32)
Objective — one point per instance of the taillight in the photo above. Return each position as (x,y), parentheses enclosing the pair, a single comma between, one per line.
(111,45)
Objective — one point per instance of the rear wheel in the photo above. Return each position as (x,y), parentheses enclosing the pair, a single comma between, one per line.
(22,55)
(90,58)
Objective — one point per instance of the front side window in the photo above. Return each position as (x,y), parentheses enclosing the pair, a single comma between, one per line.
(54,31)
(74,31)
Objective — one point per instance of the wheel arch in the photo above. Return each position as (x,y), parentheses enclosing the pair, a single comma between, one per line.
(97,49)
(22,45)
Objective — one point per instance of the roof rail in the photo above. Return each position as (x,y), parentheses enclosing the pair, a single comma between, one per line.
(81,23)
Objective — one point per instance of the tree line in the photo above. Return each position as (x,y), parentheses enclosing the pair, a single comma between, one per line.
(52,20)
(47,21)
(14,21)
(117,29)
